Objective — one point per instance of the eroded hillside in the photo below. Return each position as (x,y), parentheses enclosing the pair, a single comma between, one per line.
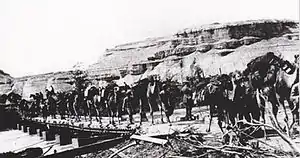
(214,48)
(5,82)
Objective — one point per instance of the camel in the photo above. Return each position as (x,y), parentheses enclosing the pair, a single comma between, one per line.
(154,98)
(214,96)
(93,101)
(114,103)
(284,83)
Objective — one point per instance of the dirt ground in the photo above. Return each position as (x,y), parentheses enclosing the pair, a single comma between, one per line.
(185,136)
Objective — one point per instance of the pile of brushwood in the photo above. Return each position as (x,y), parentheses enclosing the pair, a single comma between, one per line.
(250,140)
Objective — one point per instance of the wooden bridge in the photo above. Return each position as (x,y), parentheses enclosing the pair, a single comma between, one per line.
(84,139)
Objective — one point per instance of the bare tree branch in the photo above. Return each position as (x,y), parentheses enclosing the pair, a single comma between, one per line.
(290,142)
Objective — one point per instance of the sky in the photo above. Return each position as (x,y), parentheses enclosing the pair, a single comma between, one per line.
(41,36)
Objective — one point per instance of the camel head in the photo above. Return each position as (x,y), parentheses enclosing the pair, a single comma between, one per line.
(226,81)
(236,76)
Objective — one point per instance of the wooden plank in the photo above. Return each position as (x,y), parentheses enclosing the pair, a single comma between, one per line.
(90,140)
(103,145)
(93,130)
(163,134)
(120,154)
(149,139)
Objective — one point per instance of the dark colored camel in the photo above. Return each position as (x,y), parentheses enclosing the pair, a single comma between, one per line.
(93,102)
(71,107)
(3,98)
(140,94)
(114,103)
(284,83)
(52,100)
(153,97)
(35,105)
(246,102)
(76,103)
(215,96)
(266,72)
(62,104)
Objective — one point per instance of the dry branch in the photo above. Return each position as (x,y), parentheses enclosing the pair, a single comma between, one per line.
(120,150)
(290,142)
(120,154)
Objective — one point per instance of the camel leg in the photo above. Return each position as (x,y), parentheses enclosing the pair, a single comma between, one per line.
(113,119)
(210,120)
(67,111)
(141,111)
(131,119)
(98,118)
(110,116)
(168,118)
(151,111)
(286,119)
(89,112)
(152,117)
(161,114)
(77,118)
(220,123)
(295,110)
(262,108)
(295,113)
(120,114)
(275,104)
(53,114)
(86,113)
(274,108)
(141,117)
(264,121)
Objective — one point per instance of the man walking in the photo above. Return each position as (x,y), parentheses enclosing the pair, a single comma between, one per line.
(187,100)
(127,103)
(165,100)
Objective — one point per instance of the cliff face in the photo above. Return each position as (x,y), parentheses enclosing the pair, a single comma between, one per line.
(5,82)
(214,48)
(210,45)
(61,81)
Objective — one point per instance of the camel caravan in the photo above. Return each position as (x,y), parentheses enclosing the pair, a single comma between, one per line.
(240,95)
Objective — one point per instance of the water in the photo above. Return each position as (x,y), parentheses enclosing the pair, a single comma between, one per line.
(16,141)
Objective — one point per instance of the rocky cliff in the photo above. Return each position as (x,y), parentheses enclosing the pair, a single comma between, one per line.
(61,81)
(5,82)
(214,48)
